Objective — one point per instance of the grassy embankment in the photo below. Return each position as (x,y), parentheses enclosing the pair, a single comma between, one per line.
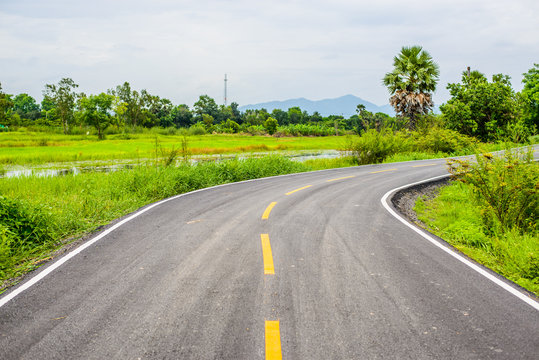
(490,214)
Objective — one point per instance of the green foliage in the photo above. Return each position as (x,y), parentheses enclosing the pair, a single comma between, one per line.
(457,216)
(305,130)
(130,104)
(231,126)
(507,188)
(374,147)
(271,125)
(96,111)
(180,116)
(480,108)
(411,83)
(206,106)
(63,97)
(23,228)
(197,129)
(530,96)
(5,105)
(295,116)
(26,107)
(440,140)
(321,164)
(36,212)
(207,120)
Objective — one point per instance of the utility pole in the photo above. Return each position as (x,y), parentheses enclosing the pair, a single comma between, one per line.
(225,89)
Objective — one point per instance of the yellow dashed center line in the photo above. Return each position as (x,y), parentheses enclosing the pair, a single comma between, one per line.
(341,178)
(266,254)
(423,165)
(301,188)
(376,172)
(266,213)
(273,341)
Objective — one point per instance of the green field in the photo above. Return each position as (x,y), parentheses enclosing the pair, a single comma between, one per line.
(32,148)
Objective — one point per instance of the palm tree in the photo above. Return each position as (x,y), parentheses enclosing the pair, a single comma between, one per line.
(412,82)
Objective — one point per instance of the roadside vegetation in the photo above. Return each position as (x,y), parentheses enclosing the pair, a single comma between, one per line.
(40,214)
(490,213)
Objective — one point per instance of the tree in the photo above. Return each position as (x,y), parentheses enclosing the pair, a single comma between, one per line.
(236,114)
(96,111)
(180,116)
(271,125)
(412,82)
(134,103)
(208,121)
(206,105)
(295,115)
(64,97)
(5,105)
(26,107)
(281,116)
(481,108)
(530,95)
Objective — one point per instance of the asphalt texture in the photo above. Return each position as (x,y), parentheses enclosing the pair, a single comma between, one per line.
(185,280)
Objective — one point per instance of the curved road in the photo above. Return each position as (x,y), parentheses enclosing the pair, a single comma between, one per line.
(329,274)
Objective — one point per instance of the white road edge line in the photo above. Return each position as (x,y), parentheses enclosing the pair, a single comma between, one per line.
(457,256)
(34,280)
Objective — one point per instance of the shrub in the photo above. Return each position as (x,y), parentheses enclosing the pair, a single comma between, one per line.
(374,147)
(443,140)
(506,187)
(197,129)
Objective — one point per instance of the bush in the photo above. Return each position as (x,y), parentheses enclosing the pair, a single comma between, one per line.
(443,140)
(306,130)
(22,229)
(197,129)
(374,147)
(506,187)
(457,216)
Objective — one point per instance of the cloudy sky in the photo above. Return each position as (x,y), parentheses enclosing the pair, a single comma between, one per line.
(271,50)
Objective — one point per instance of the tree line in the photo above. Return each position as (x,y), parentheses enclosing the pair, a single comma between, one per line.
(124,107)
(487,110)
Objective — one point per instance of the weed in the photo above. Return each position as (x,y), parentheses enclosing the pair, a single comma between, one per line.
(507,187)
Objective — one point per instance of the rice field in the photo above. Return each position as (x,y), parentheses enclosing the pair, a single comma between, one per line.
(31,148)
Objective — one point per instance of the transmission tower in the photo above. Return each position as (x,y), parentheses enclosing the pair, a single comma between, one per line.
(225,89)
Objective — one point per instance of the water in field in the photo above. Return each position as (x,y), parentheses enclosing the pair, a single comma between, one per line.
(76,168)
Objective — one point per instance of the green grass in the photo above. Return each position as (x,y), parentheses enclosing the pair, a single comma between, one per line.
(321,164)
(453,216)
(32,148)
(41,214)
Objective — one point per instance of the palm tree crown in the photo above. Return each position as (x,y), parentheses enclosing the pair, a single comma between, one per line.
(411,82)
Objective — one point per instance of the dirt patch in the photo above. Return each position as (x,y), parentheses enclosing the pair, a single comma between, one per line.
(404,200)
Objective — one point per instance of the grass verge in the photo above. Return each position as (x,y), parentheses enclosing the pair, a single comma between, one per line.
(459,220)
(39,215)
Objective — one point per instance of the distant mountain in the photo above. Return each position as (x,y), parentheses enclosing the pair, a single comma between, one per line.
(345,105)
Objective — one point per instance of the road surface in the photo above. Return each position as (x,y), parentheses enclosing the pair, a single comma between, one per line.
(307,266)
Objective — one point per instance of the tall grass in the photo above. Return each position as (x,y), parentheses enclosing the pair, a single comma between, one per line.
(491,215)
(37,213)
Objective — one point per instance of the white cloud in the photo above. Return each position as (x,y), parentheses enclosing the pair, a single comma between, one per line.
(270,50)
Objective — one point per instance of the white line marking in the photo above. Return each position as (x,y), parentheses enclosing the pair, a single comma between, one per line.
(457,256)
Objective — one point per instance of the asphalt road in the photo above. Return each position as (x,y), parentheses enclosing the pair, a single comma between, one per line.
(330,274)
